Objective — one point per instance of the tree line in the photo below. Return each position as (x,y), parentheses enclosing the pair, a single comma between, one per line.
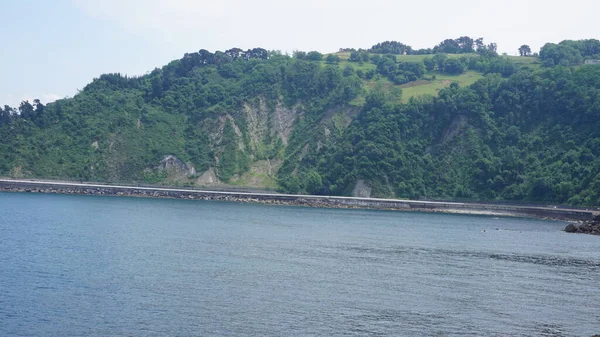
(569,52)
(461,45)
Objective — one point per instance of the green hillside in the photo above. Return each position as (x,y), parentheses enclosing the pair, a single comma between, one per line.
(456,121)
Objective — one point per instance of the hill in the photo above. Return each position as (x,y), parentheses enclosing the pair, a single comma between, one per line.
(388,122)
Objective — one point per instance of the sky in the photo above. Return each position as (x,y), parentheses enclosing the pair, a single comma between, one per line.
(53,48)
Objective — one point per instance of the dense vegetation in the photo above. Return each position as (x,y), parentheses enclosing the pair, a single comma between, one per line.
(320,123)
(568,52)
(461,45)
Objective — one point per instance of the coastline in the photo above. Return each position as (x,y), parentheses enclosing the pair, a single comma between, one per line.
(54,187)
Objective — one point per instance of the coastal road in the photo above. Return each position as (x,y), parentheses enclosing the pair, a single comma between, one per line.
(441,206)
(231,193)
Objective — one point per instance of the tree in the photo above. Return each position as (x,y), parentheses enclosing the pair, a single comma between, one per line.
(314,56)
(416,68)
(400,79)
(560,54)
(234,53)
(206,57)
(39,107)
(332,59)
(479,44)
(448,46)
(429,63)
(386,66)
(591,47)
(256,53)
(587,48)
(391,47)
(360,55)
(230,70)
(488,51)
(502,66)
(466,44)
(524,50)
(26,110)
(454,67)
(365,56)
(157,85)
(440,60)
(221,58)
(5,114)
(314,183)
(348,71)
(298,54)
(461,45)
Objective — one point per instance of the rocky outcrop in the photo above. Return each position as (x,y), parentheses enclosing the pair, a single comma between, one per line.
(208,178)
(361,189)
(174,165)
(264,122)
(587,227)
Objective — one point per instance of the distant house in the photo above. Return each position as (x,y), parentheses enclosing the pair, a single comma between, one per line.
(592,61)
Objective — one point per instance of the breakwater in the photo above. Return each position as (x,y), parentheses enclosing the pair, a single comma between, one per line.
(9,185)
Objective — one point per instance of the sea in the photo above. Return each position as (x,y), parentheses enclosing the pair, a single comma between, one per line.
(119,266)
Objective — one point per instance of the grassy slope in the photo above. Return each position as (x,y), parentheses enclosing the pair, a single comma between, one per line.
(532,62)
(420,88)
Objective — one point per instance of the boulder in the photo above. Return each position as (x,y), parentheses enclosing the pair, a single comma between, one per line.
(571,228)
(585,228)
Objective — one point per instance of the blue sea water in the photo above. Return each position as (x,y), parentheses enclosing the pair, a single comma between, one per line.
(107,266)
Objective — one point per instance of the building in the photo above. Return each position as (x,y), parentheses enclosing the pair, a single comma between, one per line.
(592,62)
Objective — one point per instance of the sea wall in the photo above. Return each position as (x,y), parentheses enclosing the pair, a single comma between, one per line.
(287,199)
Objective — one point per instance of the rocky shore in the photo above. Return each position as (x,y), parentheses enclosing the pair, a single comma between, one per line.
(585,227)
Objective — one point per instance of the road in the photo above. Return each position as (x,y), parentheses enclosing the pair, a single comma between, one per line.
(319,200)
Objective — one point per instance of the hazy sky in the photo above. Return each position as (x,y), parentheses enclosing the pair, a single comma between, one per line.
(52,48)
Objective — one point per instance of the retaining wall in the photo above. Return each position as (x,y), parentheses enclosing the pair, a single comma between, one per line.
(287,199)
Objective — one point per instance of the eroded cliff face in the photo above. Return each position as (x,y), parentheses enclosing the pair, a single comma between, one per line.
(247,147)
(261,132)
(266,122)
